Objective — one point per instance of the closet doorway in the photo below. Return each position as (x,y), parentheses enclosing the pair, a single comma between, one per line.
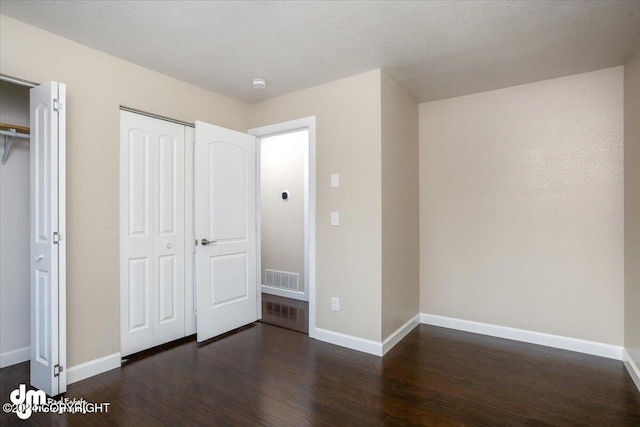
(187,228)
(286,223)
(15,318)
(33,231)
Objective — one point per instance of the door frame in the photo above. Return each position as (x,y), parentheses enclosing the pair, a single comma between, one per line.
(305,123)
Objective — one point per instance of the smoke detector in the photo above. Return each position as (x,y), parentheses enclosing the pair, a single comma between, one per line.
(259,83)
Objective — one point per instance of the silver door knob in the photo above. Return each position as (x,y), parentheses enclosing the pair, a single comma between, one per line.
(39,256)
(206,242)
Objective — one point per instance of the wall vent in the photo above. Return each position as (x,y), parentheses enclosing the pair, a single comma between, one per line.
(281,279)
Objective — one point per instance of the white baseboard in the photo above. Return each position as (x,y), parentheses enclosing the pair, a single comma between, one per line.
(284,293)
(12,357)
(566,343)
(633,369)
(93,367)
(366,346)
(400,333)
(349,341)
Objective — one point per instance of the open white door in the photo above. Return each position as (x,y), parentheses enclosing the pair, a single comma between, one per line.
(48,247)
(225,225)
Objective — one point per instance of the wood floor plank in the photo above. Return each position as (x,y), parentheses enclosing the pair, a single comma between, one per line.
(269,376)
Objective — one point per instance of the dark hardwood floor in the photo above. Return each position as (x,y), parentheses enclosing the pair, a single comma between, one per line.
(286,313)
(265,375)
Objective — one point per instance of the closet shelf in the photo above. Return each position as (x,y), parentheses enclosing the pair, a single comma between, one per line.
(9,131)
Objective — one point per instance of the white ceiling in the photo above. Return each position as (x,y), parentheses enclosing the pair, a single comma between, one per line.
(436,49)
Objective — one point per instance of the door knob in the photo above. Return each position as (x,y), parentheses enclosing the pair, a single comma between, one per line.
(206,242)
(39,256)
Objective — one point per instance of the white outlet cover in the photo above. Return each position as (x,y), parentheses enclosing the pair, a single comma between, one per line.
(335,304)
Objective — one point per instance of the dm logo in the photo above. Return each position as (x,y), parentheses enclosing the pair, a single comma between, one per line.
(25,400)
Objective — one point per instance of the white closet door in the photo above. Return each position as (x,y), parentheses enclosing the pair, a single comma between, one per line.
(152,232)
(48,297)
(136,232)
(169,223)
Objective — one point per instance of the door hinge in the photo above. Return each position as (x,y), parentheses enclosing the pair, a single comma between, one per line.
(57,105)
(57,369)
(56,238)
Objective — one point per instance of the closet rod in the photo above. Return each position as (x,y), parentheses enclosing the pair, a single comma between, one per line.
(8,132)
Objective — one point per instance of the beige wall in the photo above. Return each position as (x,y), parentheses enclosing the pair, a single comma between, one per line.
(521,207)
(400,207)
(282,166)
(97,84)
(14,225)
(348,141)
(632,207)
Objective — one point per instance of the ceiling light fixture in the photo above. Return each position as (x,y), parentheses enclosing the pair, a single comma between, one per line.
(259,83)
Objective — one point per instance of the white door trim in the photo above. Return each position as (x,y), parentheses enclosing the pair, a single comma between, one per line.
(310,209)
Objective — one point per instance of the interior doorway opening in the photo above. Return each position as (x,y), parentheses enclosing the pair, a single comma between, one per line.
(283,202)
(286,224)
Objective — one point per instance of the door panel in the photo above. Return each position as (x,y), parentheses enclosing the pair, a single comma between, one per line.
(139,183)
(225,213)
(169,239)
(228,280)
(227,192)
(136,245)
(48,297)
(167,282)
(139,289)
(43,316)
(168,181)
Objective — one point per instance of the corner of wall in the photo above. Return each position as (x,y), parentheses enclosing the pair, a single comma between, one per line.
(400,208)
(632,214)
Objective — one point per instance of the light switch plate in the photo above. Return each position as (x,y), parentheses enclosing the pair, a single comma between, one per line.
(335,218)
(335,180)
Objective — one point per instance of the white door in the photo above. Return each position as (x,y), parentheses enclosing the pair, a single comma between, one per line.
(152,232)
(48,243)
(225,224)
(169,239)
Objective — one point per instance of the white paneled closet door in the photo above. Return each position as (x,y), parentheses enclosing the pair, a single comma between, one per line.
(48,242)
(152,231)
